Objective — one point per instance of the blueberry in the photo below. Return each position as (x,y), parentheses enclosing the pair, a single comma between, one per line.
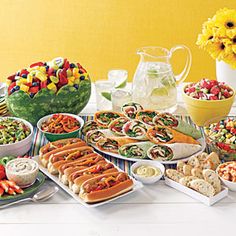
(35,83)
(13,90)
(72,65)
(18,73)
(45,63)
(76,86)
(82,77)
(17,87)
(24,76)
(47,67)
(81,72)
(31,95)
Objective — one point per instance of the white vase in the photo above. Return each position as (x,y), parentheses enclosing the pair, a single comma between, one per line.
(225,73)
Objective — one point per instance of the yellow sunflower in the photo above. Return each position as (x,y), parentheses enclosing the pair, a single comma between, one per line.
(218,36)
(204,38)
(225,19)
(217,50)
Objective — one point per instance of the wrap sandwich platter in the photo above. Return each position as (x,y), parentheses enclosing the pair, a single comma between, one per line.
(138,134)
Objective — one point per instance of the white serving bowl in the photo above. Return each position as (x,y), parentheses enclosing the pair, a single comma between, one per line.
(148,180)
(229,184)
(23,171)
(18,148)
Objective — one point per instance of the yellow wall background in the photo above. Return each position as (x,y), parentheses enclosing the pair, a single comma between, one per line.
(102,34)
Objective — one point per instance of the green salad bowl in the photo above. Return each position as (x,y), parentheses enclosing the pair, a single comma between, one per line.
(54,137)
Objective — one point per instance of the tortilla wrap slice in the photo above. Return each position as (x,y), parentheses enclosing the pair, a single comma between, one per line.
(130,109)
(104,118)
(93,136)
(188,129)
(167,119)
(146,116)
(135,129)
(173,151)
(135,150)
(112,144)
(116,126)
(166,135)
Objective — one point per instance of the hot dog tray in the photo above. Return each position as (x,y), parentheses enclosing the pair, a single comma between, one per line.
(137,185)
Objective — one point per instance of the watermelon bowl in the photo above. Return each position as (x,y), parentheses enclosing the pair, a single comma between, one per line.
(43,88)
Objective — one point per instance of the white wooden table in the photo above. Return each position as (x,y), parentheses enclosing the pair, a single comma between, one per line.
(154,210)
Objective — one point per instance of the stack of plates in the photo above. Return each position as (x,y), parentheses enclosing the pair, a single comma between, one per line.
(3,106)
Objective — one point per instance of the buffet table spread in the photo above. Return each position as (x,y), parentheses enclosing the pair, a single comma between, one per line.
(153,209)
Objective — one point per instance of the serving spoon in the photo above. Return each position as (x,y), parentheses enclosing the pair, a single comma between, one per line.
(40,196)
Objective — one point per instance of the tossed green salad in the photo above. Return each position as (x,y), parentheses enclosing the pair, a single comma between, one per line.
(12,131)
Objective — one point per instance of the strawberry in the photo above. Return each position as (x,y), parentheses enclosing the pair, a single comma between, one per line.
(63,77)
(215,90)
(213,83)
(213,97)
(24,72)
(2,172)
(10,87)
(1,191)
(34,89)
(205,84)
(66,64)
(50,71)
(37,64)
(191,89)
(11,77)
(43,84)
(233,130)
(226,94)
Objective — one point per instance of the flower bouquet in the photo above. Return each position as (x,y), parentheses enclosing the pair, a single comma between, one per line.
(218,36)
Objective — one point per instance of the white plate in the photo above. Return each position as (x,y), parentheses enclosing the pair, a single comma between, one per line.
(201,141)
(137,185)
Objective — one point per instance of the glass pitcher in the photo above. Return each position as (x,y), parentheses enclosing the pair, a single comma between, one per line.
(154,83)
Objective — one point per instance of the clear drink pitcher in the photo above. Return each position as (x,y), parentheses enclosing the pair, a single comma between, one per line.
(154,83)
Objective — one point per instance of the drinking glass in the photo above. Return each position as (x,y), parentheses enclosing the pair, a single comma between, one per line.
(119,97)
(103,94)
(118,76)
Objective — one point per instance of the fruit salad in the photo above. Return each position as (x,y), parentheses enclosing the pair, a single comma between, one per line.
(48,87)
(208,90)
(51,75)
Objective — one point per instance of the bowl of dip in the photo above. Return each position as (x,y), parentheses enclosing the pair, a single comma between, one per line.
(147,172)
(23,171)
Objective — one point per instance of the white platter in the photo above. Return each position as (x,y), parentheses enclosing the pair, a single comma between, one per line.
(137,185)
(201,141)
(209,201)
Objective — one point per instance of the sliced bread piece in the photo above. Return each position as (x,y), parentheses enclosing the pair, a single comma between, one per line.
(186,180)
(174,174)
(212,178)
(203,187)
